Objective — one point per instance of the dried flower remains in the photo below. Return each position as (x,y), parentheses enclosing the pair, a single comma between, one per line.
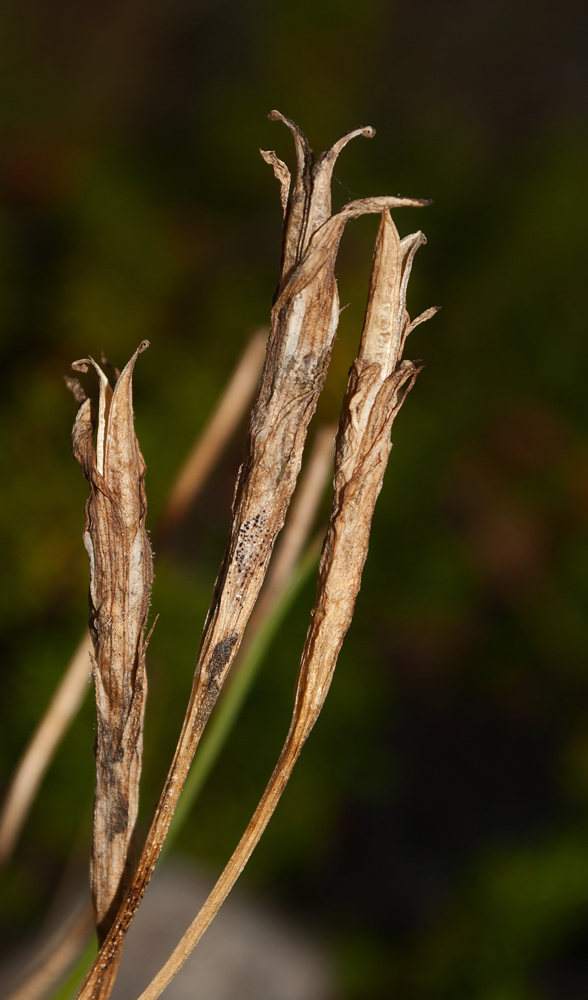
(304,321)
(373,398)
(121,574)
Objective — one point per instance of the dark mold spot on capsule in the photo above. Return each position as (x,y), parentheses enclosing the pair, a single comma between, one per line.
(220,656)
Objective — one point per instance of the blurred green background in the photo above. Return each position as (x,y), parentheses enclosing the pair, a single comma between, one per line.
(435,833)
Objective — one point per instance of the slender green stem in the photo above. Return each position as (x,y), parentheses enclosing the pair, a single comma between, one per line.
(71,984)
(229,707)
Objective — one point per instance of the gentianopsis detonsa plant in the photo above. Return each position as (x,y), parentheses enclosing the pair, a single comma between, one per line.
(121,575)
(304,322)
(374,396)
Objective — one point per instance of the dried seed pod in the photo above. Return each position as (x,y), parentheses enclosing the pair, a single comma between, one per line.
(363,445)
(303,325)
(304,322)
(121,575)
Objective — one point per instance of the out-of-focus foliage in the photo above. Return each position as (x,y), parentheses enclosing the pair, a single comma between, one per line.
(436,830)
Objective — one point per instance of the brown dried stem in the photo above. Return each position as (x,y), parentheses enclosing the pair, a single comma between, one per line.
(221,426)
(363,446)
(284,577)
(39,753)
(296,531)
(299,522)
(303,325)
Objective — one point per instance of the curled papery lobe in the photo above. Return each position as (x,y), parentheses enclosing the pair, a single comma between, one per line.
(308,199)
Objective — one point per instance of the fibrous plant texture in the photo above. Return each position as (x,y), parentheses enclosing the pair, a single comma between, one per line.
(71,690)
(373,398)
(73,935)
(121,574)
(303,326)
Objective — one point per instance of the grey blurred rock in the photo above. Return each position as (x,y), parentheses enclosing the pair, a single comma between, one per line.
(248,952)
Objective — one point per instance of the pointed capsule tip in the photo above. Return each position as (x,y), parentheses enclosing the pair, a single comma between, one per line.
(417,202)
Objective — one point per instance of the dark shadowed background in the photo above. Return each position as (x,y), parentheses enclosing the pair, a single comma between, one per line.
(435,833)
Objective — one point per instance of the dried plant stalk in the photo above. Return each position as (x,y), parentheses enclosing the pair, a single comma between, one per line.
(71,690)
(363,446)
(37,756)
(72,935)
(121,575)
(222,424)
(284,574)
(301,516)
(303,325)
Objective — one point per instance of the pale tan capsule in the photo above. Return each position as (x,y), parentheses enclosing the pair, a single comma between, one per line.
(121,575)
